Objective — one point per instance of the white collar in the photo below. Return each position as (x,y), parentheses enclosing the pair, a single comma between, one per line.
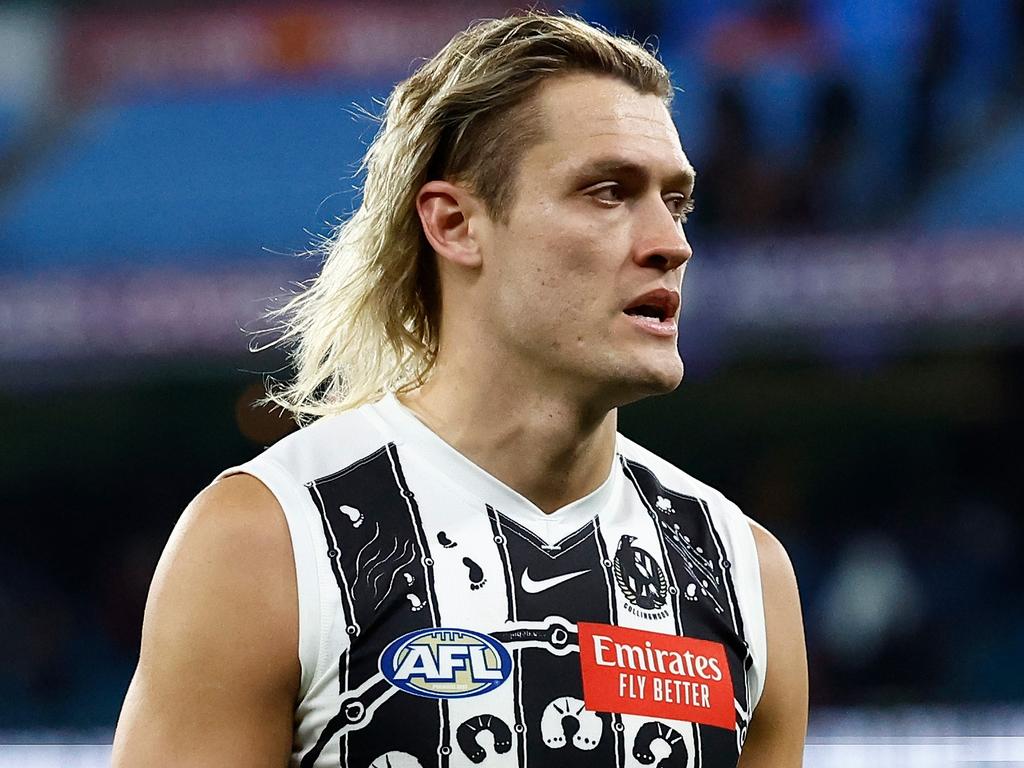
(483,487)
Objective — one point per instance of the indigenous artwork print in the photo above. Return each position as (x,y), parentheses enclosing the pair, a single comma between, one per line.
(473,641)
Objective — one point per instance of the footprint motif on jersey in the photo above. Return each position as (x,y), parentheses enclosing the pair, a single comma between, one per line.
(566,718)
(467,734)
(414,601)
(353,514)
(444,541)
(655,734)
(476,574)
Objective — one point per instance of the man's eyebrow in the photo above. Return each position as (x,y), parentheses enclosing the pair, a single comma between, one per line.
(615,166)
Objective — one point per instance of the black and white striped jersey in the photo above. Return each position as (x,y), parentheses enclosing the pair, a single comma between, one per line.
(444,620)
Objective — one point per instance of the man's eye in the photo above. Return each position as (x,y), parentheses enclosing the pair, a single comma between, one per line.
(609,193)
(679,206)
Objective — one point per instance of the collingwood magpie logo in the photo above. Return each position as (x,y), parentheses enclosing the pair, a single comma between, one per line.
(445,663)
(641,580)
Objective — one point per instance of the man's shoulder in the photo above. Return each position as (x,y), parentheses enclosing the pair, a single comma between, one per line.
(325,446)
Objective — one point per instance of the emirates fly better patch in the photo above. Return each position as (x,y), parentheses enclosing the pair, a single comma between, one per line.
(635,672)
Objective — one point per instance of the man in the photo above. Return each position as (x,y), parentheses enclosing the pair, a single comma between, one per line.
(478,570)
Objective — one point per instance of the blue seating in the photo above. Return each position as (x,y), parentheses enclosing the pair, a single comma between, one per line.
(984,194)
(196,175)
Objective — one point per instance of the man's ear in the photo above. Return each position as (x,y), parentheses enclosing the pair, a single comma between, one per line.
(445,212)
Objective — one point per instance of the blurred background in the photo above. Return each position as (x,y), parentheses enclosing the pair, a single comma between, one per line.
(853,322)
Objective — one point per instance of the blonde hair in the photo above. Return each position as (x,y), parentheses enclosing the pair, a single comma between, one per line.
(368,323)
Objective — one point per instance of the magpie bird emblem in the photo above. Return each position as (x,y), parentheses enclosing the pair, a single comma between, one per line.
(639,576)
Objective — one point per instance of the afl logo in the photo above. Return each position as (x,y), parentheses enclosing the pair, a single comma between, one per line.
(445,663)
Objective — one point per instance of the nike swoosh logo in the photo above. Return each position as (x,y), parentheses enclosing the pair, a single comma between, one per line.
(533,587)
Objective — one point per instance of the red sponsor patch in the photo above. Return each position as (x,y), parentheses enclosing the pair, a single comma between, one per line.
(634,672)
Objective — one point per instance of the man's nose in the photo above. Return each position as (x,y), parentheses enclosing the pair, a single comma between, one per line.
(662,244)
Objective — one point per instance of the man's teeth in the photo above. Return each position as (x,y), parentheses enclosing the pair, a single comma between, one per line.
(646,311)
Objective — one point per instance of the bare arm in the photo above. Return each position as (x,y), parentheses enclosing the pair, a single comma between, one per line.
(779,726)
(218,672)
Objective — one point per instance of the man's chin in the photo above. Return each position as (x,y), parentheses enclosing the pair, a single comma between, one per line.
(667,381)
(659,380)
(664,371)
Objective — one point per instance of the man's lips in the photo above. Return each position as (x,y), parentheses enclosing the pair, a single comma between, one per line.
(654,312)
(661,304)
(652,325)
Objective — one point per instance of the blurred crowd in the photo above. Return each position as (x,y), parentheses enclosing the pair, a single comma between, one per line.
(897,501)
(826,115)
(801,116)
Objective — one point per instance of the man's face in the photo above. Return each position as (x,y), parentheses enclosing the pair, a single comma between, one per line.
(594,243)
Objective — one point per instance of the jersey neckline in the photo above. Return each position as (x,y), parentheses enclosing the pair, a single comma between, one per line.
(483,487)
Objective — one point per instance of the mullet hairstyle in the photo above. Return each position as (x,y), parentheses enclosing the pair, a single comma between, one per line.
(368,323)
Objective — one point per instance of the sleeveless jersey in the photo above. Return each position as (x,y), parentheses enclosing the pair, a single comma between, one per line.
(445,620)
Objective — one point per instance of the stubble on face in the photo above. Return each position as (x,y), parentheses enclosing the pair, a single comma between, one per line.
(567,262)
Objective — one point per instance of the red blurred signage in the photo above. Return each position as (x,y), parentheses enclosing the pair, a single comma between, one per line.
(226,46)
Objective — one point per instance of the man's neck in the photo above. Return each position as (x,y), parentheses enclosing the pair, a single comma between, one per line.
(546,447)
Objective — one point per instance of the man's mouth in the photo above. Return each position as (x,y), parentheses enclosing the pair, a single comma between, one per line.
(655,312)
(660,305)
(647,310)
